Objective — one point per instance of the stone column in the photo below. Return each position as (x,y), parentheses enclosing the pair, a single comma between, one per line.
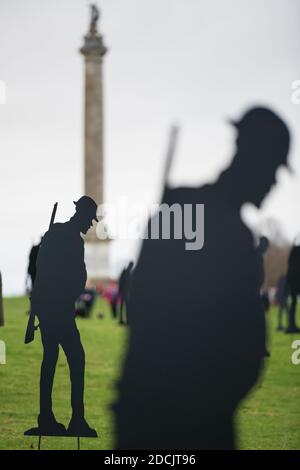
(93,51)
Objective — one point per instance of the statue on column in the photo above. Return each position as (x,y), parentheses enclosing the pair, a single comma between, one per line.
(94,18)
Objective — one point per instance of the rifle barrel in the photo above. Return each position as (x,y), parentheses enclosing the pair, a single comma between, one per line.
(53,214)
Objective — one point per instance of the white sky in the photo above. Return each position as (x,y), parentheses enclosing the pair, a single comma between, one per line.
(195,61)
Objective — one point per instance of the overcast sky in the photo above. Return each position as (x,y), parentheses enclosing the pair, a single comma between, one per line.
(193,61)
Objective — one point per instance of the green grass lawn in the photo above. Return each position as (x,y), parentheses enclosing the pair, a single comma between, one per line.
(268,419)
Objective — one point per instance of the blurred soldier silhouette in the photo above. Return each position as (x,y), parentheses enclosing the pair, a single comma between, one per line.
(197,336)
(281,297)
(293,279)
(124,288)
(261,250)
(60,280)
(31,270)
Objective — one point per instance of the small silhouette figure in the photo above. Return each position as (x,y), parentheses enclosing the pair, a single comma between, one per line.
(261,250)
(124,292)
(31,270)
(197,327)
(113,301)
(60,280)
(281,297)
(293,279)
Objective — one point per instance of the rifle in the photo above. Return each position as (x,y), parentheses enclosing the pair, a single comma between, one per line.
(30,330)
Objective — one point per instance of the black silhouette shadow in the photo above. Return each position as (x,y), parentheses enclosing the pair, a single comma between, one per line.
(124,291)
(31,270)
(197,329)
(282,297)
(60,280)
(264,295)
(293,280)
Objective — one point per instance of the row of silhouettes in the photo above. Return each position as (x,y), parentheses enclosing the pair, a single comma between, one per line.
(197,340)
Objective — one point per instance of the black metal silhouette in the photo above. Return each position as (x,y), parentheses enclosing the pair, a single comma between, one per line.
(281,297)
(293,279)
(31,270)
(261,250)
(197,328)
(124,292)
(31,328)
(60,280)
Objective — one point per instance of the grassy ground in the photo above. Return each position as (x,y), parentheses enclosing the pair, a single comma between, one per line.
(268,419)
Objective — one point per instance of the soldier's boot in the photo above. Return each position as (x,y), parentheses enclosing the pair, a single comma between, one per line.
(48,425)
(79,427)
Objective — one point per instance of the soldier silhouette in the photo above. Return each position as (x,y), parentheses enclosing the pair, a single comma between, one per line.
(31,270)
(124,287)
(60,280)
(281,297)
(197,338)
(261,250)
(293,279)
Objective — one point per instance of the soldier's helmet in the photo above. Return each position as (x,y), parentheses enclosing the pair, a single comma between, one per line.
(87,207)
(263,128)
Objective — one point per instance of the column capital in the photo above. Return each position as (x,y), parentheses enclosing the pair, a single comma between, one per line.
(93,45)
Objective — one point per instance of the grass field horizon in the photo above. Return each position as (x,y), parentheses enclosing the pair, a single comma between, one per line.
(268,419)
